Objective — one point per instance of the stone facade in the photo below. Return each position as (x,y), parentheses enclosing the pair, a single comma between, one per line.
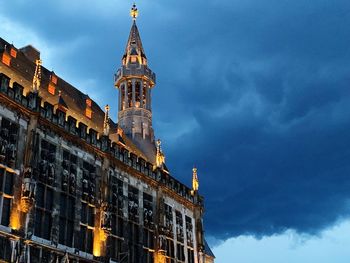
(70,192)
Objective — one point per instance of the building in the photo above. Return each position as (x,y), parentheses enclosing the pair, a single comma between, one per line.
(77,187)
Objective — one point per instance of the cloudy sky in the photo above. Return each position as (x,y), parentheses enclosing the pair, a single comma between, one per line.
(254,93)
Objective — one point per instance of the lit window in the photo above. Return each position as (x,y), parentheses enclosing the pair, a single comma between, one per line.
(13,52)
(6,59)
(51,89)
(54,79)
(88,113)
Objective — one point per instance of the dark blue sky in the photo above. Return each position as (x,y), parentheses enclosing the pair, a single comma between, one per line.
(254,93)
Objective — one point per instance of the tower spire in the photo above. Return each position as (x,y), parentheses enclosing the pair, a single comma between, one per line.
(134,79)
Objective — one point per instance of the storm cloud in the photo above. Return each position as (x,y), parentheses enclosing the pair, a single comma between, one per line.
(254,93)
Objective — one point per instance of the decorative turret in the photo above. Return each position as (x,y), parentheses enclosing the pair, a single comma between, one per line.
(106,125)
(37,76)
(135,80)
(195,182)
(160,158)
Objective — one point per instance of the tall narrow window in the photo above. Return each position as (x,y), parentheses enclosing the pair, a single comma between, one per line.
(137,94)
(86,228)
(43,211)
(144,93)
(129,94)
(66,220)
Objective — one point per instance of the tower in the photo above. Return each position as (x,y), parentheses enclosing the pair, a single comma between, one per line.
(135,80)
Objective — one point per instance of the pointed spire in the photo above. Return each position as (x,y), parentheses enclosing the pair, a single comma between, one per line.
(106,125)
(195,182)
(37,76)
(160,158)
(134,50)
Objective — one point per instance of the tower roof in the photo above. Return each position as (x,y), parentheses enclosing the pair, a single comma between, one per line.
(134,44)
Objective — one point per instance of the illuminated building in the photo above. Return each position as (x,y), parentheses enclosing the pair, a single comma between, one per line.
(77,187)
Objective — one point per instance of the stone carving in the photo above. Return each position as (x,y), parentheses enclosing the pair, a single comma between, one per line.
(106,223)
(28,190)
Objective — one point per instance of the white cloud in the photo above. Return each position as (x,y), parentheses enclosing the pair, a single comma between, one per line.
(331,246)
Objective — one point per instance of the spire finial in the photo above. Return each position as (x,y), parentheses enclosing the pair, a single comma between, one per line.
(134,12)
(195,182)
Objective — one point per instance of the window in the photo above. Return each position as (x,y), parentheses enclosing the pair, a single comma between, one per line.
(43,211)
(168,220)
(88,183)
(133,207)
(8,142)
(87,223)
(47,163)
(4,82)
(54,79)
(66,220)
(189,231)
(170,253)
(69,165)
(6,195)
(88,113)
(13,52)
(117,195)
(5,251)
(51,89)
(190,255)
(6,59)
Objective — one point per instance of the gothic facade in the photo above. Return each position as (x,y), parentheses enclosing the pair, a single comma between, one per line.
(77,187)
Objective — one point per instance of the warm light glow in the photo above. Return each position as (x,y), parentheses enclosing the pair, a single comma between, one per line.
(15,219)
(13,52)
(99,238)
(88,113)
(134,12)
(195,182)
(54,79)
(51,89)
(6,59)
(160,257)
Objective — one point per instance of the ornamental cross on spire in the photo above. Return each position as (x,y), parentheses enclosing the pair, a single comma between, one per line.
(134,12)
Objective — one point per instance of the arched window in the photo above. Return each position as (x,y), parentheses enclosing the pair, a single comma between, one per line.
(137,94)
